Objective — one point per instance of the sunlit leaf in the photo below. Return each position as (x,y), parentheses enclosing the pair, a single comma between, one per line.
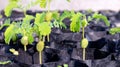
(75,24)
(9,33)
(39,18)
(9,8)
(114,30)
(44,28)
(43,3)
(101,17)
(64,15)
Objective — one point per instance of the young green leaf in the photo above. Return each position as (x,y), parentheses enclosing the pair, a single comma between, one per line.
(62,25)
(44,28)
(39,18)
(6,23)
(59,66)
(9,8)
(9,33)
(14,0)
(64,15)
(4,62)
(84,22)
(55,15)
(114,30)
(65,65)
(48,16)
(75,25)
(68,0)
(14,37)
(43,3)
(102,17)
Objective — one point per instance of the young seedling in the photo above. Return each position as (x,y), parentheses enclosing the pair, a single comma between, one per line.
(79,20)
(26,30)
(42,25)
(42,29)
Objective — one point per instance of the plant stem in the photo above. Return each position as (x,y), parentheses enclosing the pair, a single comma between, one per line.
(43,38)
(40,57)
(83,54)
(83,32)
(25,48)
(48,5)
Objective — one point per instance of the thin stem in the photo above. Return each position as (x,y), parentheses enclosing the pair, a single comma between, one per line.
(83,54)
(24,12)
(83,32)
(40,57)
(25,48)
(48,5)
(43,38)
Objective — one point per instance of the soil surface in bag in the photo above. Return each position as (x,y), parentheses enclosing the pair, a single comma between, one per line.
(64,46)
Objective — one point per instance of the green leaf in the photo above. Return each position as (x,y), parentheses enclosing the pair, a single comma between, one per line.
(114,30)
(14,38)
(30,38)
(90,18)
(68,0)
(40,17)
(75,25)
(28,18)
(62,25)
(84,22)
(14,0)
(4,62)
(56,24)
(43,3)
(9,33)
(55,15)
(64,15)
(59,66)
(44,28)
(9,8)
(6,23)
(102,17)
(65,65)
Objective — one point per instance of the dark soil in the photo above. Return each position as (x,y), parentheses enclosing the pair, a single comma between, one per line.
(64,46)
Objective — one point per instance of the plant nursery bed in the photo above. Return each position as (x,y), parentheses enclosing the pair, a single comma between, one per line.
(63,46)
